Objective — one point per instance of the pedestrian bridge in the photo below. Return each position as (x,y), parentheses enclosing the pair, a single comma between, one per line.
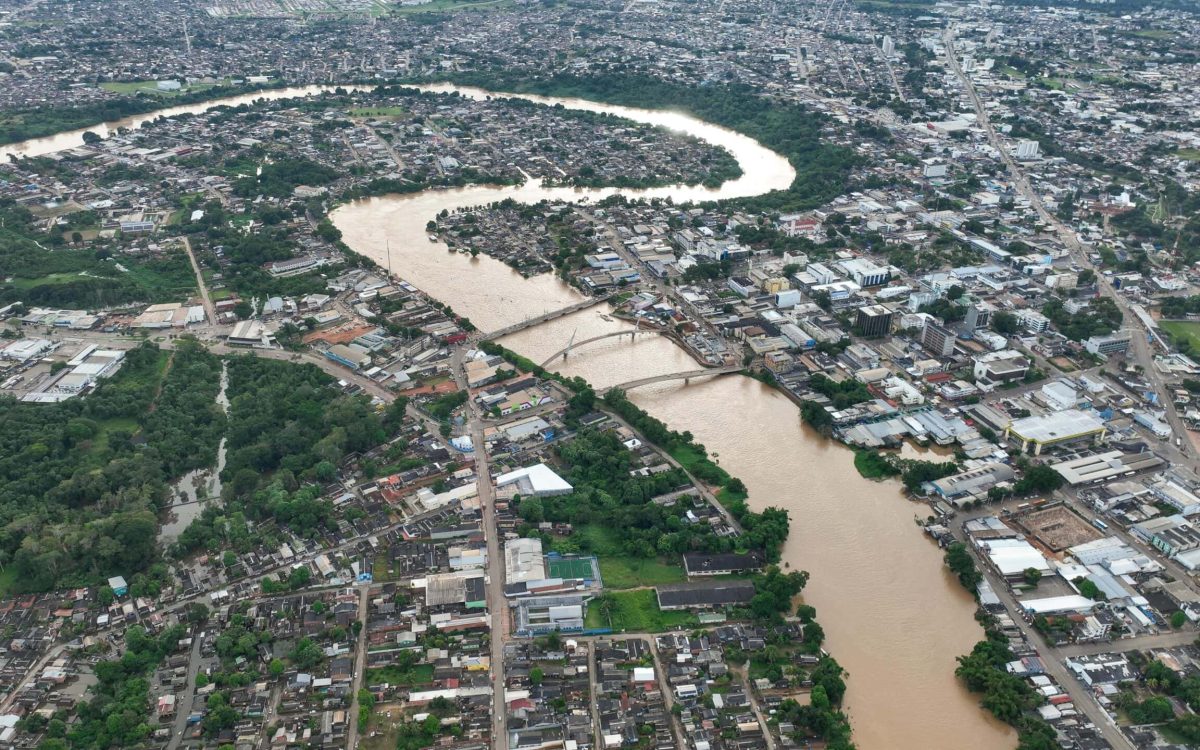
(631,333)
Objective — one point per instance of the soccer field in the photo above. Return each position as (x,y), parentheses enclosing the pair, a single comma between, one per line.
(581,568)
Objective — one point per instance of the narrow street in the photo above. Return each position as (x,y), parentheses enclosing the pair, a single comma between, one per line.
(183,708)
(360,665)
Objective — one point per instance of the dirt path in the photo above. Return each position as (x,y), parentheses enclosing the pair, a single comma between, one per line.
(161,382)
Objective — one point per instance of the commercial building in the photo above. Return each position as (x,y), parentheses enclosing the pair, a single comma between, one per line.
(1103,467)
(1003,366)
(251,333)
(545,614)
(1059,428)
(1027,150)
(523,561)
(865,273)
(700,564)
(25,349)
(979,315)
(937,340)
(1113,343)
(874,320)
(1033,321)
(538,480)
(973,482)
(704,595)
(1012,557)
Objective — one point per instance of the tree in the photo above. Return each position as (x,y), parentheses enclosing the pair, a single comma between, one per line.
(197,613)
(960,562)
(531,510)
(307,654)
(1032,576)
(1178,619)
(90,137)
(275,668)
(1040,479)
(1006,324)
(535,676)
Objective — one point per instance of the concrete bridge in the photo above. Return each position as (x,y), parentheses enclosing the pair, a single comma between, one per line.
(632,334)
(538,320)
(684,376)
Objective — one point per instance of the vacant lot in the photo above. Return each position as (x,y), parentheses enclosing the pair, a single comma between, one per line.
(635,612)
(1058,528)
(624,572)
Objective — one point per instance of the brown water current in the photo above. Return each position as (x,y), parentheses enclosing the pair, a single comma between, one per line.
(894,618)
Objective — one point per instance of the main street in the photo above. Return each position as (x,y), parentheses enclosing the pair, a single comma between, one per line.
(1139,349)
(1054,666)
(495,566)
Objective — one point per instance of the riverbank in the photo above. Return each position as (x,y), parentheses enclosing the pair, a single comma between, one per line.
(892,614)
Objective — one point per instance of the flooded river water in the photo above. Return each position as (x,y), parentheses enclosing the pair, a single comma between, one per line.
(894,618)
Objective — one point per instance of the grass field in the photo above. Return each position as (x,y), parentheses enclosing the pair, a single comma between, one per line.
(1183,330)
(1190,154)
(617,569)
(108,426)
(151,87)
(688,457)
(419,674)
(440,6)
(51,278)
(637,612)
(378,112)
(624,572)
(7,578)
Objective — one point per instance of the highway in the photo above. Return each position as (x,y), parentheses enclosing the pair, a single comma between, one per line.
(1139,350)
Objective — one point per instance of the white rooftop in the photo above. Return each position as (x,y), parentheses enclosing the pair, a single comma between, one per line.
(1062,425)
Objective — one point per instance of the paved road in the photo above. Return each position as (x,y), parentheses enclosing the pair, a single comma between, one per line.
(1084,702)
(210,311)
(744,674)
(664,687)
(183,707)
(360,665)
(497,605)
(1139,349)
(1145,642)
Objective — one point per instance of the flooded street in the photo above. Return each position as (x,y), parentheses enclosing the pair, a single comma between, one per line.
(197,487)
